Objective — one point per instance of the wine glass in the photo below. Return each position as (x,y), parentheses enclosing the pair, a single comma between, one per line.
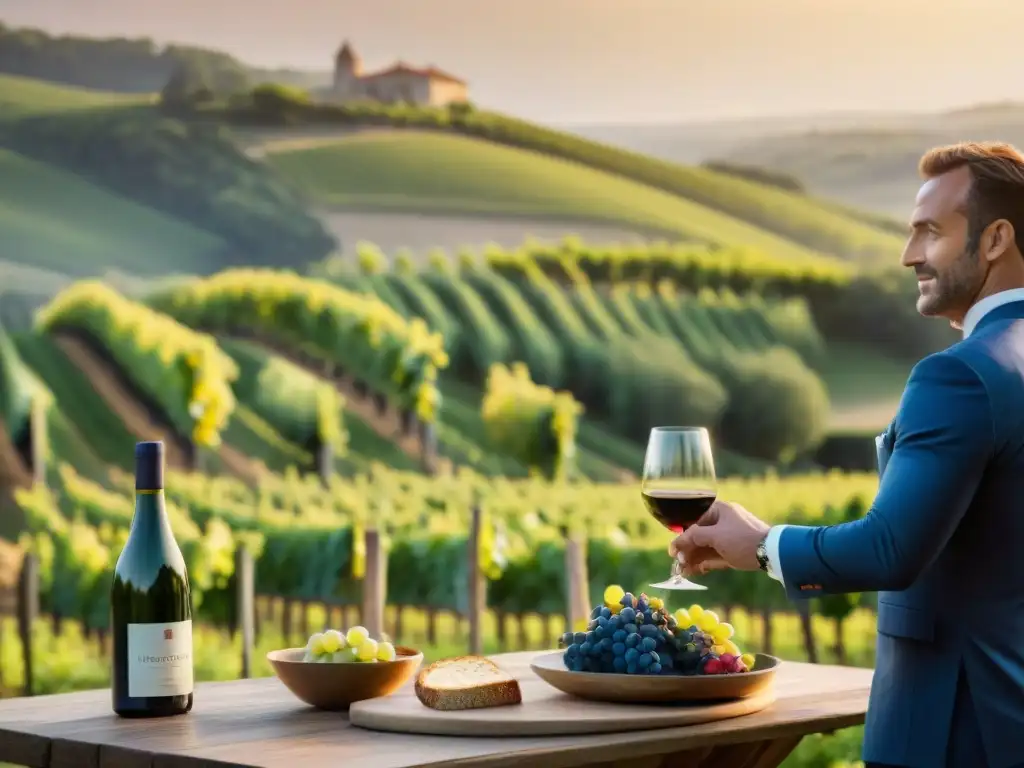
(678,485)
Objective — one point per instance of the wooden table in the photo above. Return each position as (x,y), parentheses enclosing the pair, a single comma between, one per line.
(259,723)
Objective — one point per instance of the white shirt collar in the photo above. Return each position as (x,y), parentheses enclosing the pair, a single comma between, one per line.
(986,305)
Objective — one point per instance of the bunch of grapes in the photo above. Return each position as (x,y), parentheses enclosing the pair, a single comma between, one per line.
(637,636)
(356,645)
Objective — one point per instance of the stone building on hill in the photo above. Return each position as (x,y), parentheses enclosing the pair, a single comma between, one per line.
(427,86)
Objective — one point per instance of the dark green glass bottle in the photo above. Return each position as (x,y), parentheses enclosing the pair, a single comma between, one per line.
(151,605)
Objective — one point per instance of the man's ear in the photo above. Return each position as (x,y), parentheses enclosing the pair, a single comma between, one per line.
(997,239)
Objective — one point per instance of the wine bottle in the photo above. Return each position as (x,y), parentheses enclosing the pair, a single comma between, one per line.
(151,605)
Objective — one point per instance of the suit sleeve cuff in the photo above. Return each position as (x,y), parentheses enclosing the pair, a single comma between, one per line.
(771,544)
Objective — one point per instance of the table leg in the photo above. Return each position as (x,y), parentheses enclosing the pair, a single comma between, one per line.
(766,753)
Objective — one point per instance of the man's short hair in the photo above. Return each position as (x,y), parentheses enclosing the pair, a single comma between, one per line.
(997,183)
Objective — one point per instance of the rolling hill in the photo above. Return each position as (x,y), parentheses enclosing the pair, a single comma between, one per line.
(22,97)
(93,181)
(56,220)
(435,172)
(64,210)
(864,160)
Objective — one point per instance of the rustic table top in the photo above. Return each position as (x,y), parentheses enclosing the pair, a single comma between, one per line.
(260,724)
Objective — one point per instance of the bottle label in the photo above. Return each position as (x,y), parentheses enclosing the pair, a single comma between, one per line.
(160,659)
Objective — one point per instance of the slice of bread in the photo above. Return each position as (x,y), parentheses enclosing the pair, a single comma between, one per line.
(466,682)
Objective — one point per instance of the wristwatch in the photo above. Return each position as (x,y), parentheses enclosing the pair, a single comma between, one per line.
(762,556)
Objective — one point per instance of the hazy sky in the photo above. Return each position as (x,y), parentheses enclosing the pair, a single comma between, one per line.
(613,60)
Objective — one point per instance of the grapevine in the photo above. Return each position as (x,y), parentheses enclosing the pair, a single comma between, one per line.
(184,371)
(358,332)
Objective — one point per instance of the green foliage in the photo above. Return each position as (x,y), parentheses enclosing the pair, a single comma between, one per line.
(183,371)
(686,265)
(188,87)
(359,333)
(54,219)
(24,399)
(117,64)
(880,309)
(535,424)
(78,531)
(192,171)
(309,539)
(303,408)
(778,409)
(87,432)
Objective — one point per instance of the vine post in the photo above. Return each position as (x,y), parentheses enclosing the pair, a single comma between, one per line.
(374,584)
(245,596)
(28,610)
(38,447)
(428,447)
(577,599)
(477,585)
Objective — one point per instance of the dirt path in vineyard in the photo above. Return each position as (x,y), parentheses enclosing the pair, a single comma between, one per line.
(13,472)
(388,424)
(139,418)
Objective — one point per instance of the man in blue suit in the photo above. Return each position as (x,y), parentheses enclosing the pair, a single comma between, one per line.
(943,542)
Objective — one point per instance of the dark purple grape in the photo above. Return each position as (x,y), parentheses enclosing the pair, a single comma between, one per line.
(596,612)
(619,665)
(606,612)
(648,644)
(565,640)
(631,655)
(654,669)
(628,600)
(619,649)
(585,648)
(647,630)
(606,644)
(620,636)
(630,628)
(644,661)
(628,614)
(579,638)
(632,641)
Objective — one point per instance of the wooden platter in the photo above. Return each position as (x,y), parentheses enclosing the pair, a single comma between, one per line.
(547,711)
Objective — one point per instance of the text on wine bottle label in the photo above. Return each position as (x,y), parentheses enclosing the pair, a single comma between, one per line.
(160,659)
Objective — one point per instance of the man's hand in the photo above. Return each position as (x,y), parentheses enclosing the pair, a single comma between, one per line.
(726,536)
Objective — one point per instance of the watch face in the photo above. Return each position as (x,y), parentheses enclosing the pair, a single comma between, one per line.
(762,555)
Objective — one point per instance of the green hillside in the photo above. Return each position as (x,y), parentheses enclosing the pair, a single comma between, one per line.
(803,219)
(50,218)
(192,173)
(22,97)
(421,171)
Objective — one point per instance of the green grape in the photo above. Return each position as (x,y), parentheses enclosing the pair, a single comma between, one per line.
(386,652)
(333,641)
(315,644)
(367,651)
(357,635)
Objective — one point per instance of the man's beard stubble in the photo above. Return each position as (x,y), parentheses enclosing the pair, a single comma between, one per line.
(954,289)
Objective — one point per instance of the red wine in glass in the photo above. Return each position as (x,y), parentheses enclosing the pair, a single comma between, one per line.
(677,510)
(678,485)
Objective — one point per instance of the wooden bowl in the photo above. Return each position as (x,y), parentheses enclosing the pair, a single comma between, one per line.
(642,689)
(335,686)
